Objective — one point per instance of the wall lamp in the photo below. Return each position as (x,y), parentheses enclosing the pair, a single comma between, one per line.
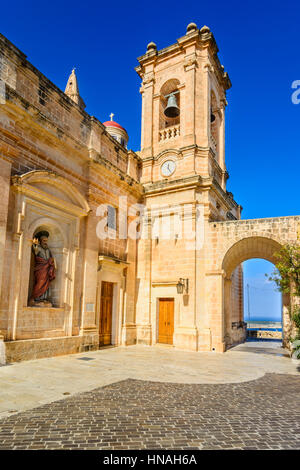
(182,285)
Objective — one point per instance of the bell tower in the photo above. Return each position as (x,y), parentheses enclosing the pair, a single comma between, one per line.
(184,178)
(183,102)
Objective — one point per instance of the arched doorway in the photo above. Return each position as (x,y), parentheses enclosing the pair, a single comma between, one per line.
(262,302)
(245,249)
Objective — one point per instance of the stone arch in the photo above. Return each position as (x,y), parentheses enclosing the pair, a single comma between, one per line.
(54,185)
(168,87)
(247,248)
(243,250)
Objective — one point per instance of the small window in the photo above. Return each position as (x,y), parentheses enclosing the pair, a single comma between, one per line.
(111,217)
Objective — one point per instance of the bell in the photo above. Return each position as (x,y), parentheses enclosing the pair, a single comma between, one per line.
(172,109)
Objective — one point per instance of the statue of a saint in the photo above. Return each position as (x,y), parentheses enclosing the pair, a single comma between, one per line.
(44,270)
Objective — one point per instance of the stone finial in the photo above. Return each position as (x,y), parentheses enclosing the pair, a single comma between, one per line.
(72,90)
(151,47)
(191,27)
(205,29)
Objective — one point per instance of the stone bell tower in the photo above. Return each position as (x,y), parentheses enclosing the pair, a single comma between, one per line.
(190,68)
(184,177)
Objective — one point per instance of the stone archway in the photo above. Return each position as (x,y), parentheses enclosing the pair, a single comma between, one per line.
(243,250)
(247,248)
(229,243)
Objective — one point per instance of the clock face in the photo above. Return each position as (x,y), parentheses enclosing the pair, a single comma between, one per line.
(168,168)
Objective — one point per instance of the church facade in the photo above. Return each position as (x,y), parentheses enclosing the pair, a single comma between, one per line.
(145,247)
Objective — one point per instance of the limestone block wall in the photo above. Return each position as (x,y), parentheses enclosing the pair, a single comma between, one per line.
(230,243)
(255,235)
(43,130)
(40,323)
(165,255)
(24,350)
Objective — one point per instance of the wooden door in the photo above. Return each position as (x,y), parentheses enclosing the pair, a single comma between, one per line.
(166,321)
(105,327)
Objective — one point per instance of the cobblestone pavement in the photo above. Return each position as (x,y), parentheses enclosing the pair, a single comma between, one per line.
(26,385)
(136,414)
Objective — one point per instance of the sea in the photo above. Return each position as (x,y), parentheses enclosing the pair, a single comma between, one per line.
(267,325)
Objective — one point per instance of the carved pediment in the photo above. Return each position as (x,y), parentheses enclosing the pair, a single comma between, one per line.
(52,189)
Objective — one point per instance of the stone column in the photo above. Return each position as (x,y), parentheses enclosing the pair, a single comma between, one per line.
(287,324)
(5,172)
(147,91)
(144,285)
(2,351)
(15,284)
(129,307)
(205,107)
(189,100)
(90,267)
(215,302)
(222,139)
(227,310)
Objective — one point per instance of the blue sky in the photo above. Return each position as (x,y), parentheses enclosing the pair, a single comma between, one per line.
(259,47)
(264,299)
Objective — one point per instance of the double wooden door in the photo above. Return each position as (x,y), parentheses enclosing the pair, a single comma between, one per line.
(106,304)
(166,321)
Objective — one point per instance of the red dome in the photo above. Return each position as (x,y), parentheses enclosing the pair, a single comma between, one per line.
(113,124)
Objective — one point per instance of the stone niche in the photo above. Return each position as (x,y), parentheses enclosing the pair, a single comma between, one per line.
(58,246)
(45,201)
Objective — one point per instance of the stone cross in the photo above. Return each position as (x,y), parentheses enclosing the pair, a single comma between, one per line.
(111,116)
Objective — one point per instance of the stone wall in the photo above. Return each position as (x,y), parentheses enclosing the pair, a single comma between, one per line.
(58,164)
(230,243)
(265,334)
(2,351)
(24,350)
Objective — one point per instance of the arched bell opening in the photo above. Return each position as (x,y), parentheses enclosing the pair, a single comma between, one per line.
(169,106)
(214,124)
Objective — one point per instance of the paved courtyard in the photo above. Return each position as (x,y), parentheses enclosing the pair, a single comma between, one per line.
(153,398)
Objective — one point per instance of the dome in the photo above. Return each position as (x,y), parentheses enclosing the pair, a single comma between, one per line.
(113,124)
(116,131)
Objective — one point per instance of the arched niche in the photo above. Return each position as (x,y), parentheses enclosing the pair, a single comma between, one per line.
(168,87)
(57,244)
(46,201)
